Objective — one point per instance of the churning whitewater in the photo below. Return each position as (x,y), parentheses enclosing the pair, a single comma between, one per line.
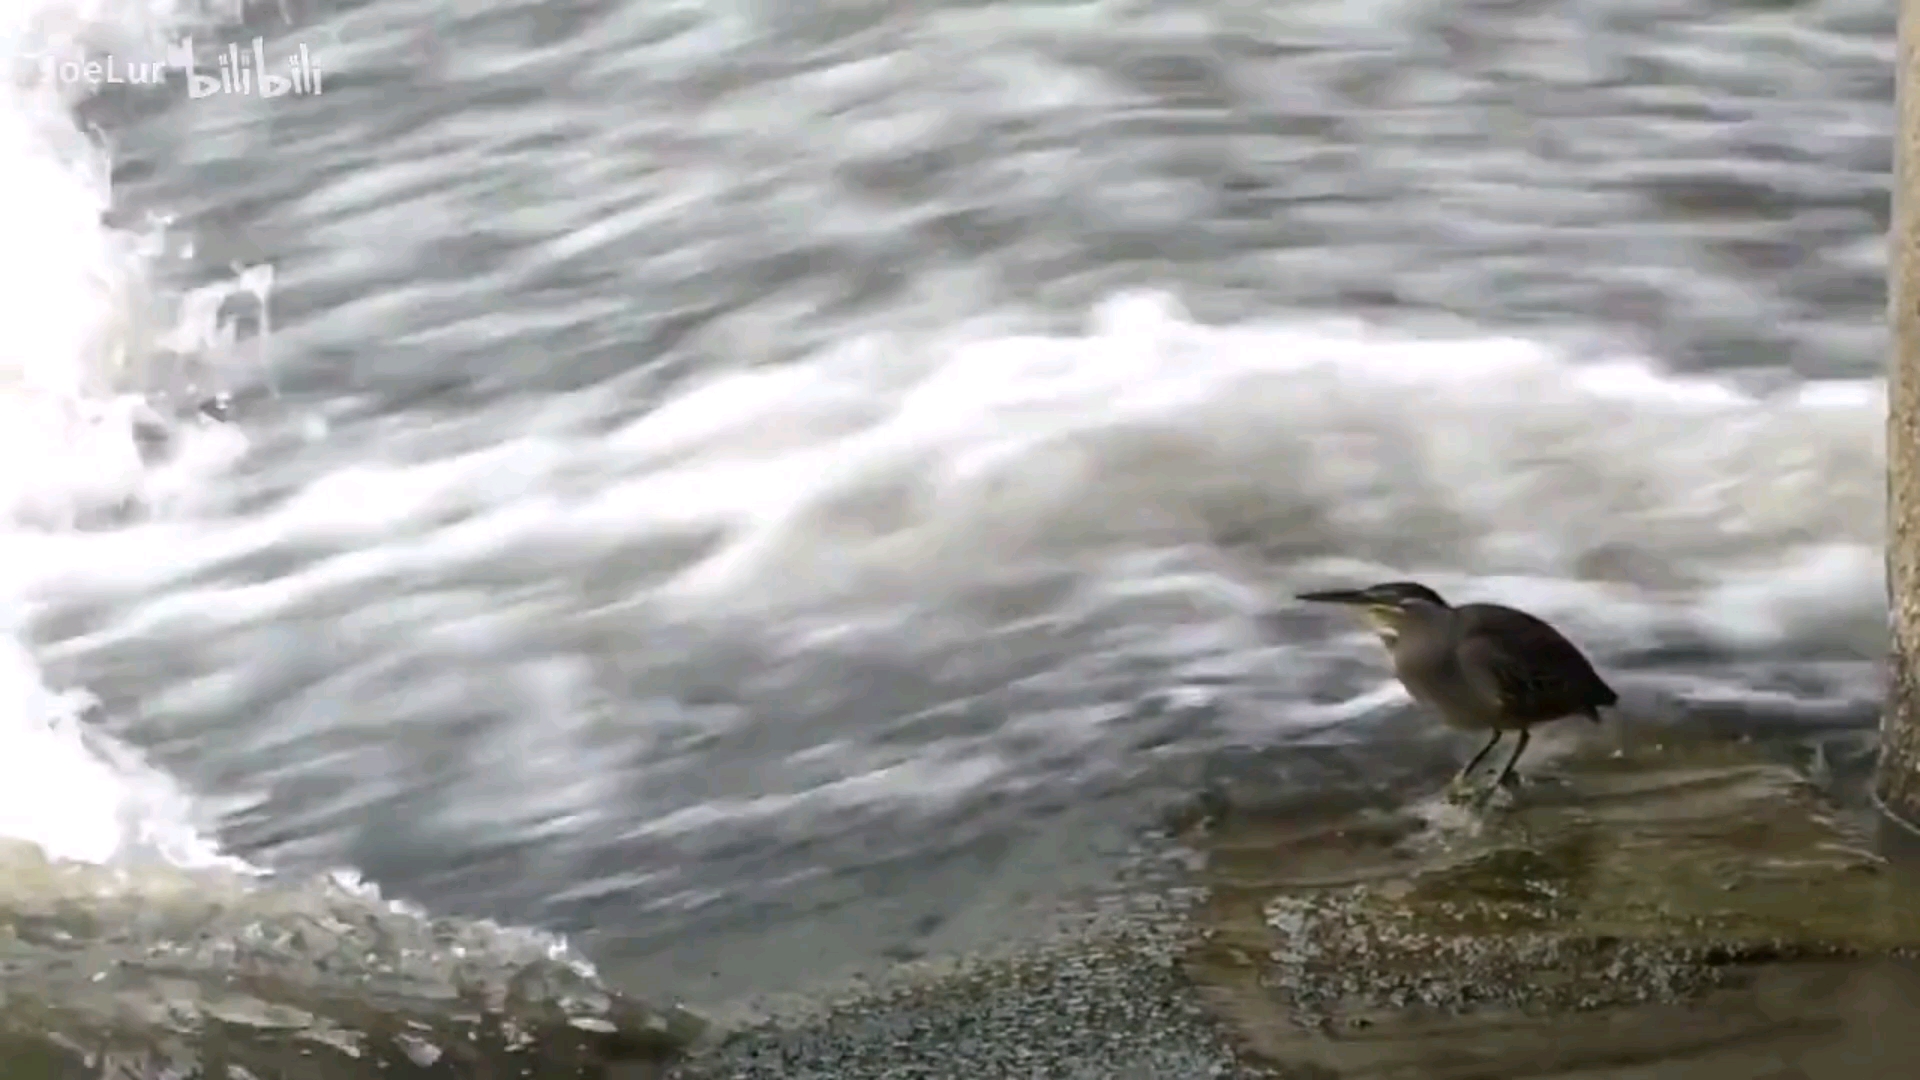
(638,526)
(77,301)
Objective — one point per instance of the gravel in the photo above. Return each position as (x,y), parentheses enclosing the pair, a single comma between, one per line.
(1104,1000)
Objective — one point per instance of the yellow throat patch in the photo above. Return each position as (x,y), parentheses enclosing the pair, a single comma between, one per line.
(1384,620)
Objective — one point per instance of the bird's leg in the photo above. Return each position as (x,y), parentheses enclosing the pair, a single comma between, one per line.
(1459,783)
(1507,776)
(1474,761)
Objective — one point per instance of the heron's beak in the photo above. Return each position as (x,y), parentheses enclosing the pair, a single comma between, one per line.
(1384,619)
(1350,597)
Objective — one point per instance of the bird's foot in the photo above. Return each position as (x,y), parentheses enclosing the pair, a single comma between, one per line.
(1462,790)
(1498,797)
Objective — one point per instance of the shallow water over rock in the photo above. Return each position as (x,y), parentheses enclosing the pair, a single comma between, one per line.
(1659,899)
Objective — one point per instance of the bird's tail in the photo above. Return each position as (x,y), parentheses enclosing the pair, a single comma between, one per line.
(1606,700)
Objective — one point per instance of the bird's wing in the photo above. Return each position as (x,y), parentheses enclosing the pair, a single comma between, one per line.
(1527,666)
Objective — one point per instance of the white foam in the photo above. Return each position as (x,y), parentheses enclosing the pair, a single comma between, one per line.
(1481,456)
(1186,476)
(899,472)
(72,301)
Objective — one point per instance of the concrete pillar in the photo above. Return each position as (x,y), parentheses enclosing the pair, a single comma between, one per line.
(1898,781)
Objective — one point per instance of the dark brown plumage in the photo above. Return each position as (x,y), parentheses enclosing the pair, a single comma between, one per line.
(1529,667)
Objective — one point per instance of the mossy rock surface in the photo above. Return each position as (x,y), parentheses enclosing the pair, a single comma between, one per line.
(158,972)
(1645,874)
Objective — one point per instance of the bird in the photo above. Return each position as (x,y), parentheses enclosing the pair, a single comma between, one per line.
(1482,667)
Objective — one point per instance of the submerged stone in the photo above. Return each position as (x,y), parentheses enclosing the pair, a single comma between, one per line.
(1644,899)
(160,972)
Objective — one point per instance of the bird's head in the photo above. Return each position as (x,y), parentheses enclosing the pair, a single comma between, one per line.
(1387,606)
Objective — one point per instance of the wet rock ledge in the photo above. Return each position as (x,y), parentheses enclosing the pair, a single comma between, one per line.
(1661,902)
(160,973)
(1658,906)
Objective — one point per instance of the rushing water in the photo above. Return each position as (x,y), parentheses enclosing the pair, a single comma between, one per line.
(715,466)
